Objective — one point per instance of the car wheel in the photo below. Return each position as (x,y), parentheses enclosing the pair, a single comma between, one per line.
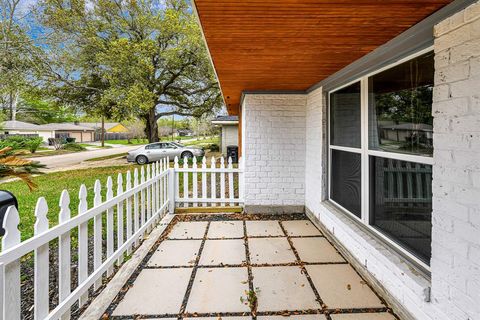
(142,160)
(187,154)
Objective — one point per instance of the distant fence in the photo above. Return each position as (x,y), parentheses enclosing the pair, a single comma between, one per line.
(6,136)
(112,136)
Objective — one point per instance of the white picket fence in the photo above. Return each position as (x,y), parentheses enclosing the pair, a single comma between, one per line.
(119,223)
(208,183)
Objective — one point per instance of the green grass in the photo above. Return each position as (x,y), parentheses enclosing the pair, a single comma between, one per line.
(204,142)
(125,142)
(112,156)
(51,185)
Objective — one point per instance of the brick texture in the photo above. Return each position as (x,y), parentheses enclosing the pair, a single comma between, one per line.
(456,206)
(274,149)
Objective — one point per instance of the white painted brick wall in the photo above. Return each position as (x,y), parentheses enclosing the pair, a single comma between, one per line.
(274,149)
(456,174)
(314,140)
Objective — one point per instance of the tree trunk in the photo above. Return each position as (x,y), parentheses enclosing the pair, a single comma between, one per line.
(151,126)
(103,132)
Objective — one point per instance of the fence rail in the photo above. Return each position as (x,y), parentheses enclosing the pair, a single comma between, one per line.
(97,239)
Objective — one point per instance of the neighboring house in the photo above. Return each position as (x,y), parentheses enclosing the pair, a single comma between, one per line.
(113,130)
(308,79)
(229,134)
(25,128)
(71,130)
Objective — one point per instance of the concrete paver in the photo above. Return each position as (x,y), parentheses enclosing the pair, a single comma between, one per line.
(175,253)
(316,249)
(218,290)
(225,229)
(217,252)
(283,288)
(188,230)
(363,316)
(155,291)
(270,250)
(264,228)
(295,228)
(340,286)
(295,317)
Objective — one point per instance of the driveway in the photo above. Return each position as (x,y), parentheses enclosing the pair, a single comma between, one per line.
(66,161)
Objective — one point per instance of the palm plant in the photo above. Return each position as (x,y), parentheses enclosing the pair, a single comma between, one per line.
(13,166)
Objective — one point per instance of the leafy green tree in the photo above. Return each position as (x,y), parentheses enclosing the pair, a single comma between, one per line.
(123,59)
(15,60)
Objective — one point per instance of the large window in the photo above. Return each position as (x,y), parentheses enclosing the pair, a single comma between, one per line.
(381,143)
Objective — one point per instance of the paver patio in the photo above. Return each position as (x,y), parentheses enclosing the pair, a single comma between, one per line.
(234,267)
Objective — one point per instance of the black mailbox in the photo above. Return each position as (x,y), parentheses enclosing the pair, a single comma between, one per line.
(232,152)
(7,199)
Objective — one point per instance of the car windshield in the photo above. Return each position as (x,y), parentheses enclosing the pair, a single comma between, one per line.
(178,144)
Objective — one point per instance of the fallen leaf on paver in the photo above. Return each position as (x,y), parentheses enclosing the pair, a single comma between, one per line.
(349,287)
(244,282)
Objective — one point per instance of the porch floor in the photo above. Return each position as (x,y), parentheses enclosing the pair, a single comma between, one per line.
(246,267)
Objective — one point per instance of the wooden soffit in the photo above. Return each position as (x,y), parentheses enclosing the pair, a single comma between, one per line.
(289,45)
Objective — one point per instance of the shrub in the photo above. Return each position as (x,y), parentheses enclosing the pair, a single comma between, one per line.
(73,147)
(33,144)
(70,140)
(20,142)
(214,147)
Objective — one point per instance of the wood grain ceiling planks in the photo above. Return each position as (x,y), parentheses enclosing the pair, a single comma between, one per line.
(293,44)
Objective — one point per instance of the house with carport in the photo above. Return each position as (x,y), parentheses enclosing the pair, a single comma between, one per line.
(319,86)
(71,130)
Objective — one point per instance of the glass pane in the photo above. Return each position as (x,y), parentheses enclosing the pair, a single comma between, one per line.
(345,117)
(400,108)
(346,180)
(401,203)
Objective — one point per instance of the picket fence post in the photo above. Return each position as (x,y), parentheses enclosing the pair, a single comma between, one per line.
(11,272)
(82,242)
(41,263)
(64,253)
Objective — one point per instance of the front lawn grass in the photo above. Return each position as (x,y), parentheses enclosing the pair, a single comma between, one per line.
(126,142)
(51,186)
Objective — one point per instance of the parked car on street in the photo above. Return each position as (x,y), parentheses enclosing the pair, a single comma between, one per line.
(159,150)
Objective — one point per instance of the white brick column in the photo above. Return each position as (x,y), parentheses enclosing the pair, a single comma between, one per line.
(274,152)
(456,172)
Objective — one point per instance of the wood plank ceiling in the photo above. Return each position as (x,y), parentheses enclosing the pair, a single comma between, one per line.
(293,44)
